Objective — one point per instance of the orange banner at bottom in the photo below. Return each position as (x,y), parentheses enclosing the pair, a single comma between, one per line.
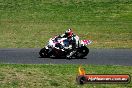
(102,78)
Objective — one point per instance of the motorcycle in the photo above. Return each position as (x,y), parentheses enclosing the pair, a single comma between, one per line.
(59,47)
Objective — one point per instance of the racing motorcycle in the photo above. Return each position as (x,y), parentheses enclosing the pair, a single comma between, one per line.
(59,47)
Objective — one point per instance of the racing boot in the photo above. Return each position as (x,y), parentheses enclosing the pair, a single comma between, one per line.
(69,56)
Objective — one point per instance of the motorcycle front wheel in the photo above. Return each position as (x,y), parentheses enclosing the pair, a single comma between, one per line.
(44,53)
(82,52)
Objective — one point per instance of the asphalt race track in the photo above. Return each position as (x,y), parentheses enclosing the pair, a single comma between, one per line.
(96,56)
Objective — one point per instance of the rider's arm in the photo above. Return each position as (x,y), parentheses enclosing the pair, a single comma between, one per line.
(62,36)
(59,36)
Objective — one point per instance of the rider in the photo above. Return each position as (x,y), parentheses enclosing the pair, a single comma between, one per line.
(73,40)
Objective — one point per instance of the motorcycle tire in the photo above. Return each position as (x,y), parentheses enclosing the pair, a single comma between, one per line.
(44,53)
(82,52)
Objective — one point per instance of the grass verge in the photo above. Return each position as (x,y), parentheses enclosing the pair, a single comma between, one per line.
(52,76)
(29,24)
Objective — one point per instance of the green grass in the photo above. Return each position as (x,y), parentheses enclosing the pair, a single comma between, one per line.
(31,23)
(52,76)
